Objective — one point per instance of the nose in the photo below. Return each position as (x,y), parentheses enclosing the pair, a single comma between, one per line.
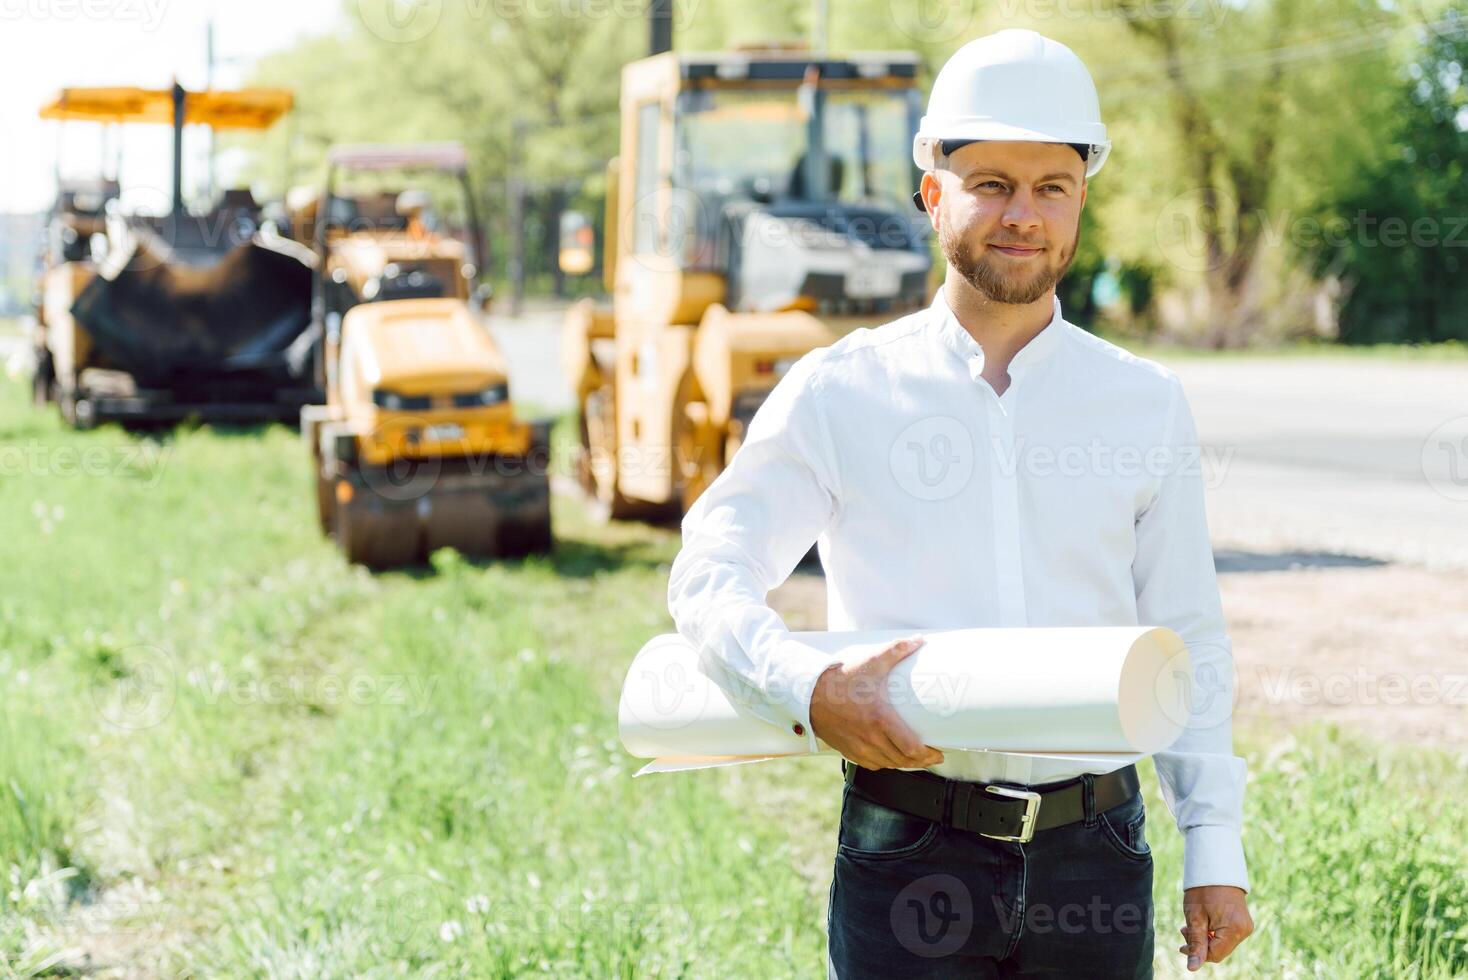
(1020,213)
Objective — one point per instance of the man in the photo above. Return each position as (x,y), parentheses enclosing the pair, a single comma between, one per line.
(983,463)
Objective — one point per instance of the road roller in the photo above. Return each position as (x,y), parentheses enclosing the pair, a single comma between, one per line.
(418,445)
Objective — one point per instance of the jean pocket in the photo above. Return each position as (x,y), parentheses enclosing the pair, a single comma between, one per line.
(872,830)
(1124,825)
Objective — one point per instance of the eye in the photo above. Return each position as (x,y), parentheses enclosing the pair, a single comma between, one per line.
(1055,187)
(990,183)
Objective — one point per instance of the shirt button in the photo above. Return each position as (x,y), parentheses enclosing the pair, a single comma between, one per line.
(798,728)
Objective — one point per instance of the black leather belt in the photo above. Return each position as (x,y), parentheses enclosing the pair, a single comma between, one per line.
(995,810)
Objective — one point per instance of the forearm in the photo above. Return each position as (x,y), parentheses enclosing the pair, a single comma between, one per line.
(1202,780)
(717,598)
(1177,586)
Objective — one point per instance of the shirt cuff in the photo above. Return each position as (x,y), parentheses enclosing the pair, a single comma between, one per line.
(1213,854)
(796,668)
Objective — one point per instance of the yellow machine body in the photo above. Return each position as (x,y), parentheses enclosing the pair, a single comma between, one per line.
(669,375)
(432,354)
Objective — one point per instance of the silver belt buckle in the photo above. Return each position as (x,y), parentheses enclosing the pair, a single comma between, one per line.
(1026,821)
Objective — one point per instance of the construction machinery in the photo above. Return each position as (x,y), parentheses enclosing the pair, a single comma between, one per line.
(78,215)
(156,317)
(417,445)
(760,207)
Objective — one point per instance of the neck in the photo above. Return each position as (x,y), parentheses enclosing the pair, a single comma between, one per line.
(1001,329)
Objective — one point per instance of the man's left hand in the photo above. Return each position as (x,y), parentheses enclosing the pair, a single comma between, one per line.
(1217,920)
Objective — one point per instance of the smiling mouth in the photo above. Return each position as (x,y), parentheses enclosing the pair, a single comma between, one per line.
(1017,250)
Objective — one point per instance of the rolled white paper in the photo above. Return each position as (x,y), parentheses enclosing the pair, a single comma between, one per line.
(1103,694)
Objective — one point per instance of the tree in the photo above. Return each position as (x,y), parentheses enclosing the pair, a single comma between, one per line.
(1232,103)
(1397,233)
(530,89)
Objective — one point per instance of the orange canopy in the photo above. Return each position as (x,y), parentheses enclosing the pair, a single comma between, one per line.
(251,108)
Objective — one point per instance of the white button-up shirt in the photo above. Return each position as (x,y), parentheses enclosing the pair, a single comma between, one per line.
(1073,499)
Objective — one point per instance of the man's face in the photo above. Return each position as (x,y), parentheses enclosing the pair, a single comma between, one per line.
(1008,215)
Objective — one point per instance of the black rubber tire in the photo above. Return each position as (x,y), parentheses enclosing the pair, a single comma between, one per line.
(325,502)
(43,379)
(377,539)
(520,540)
(76,412)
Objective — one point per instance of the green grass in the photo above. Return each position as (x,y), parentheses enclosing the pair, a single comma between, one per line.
(224,753)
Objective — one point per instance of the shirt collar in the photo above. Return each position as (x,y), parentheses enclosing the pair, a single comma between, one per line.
(962,343)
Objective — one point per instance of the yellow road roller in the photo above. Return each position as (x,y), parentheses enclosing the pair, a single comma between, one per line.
(760,208)
(418,445)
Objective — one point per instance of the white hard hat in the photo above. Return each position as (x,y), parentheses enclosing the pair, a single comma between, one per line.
(1012,85)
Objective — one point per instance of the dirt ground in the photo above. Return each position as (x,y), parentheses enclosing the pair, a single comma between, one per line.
(1382,648)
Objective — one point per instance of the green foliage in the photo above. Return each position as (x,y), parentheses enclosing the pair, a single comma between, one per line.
(1075,290)
(1396,232)
(532,97)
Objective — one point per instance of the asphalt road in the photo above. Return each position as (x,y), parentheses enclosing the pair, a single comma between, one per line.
(532,343)
(1335,455)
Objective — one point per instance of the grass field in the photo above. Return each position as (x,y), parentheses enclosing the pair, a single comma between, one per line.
(224,753)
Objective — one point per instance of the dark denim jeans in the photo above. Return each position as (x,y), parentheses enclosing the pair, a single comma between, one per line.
(913,898)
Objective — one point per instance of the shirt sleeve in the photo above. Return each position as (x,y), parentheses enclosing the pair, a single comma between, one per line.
(1202,780)
(743,537)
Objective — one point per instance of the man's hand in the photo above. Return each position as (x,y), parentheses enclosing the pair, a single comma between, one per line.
(1217,920)
(850,712)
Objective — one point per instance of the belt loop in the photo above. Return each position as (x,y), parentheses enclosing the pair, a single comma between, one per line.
(1088,797)
(945,812)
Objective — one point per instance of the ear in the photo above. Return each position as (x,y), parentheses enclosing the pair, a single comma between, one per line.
(1085,184)
(932,192)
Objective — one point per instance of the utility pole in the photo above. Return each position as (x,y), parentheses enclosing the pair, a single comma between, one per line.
(660,26)
(820,26)
(179,109)
(555,206)
(515,191)
(213,61)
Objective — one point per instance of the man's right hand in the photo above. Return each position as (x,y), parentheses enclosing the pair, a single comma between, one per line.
(849,711)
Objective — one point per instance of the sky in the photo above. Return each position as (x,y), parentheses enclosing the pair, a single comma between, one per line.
(47,45)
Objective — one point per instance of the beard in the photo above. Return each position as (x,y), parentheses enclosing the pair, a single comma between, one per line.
(1000,285)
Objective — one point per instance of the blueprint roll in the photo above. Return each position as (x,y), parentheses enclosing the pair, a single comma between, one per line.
(1094,693)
